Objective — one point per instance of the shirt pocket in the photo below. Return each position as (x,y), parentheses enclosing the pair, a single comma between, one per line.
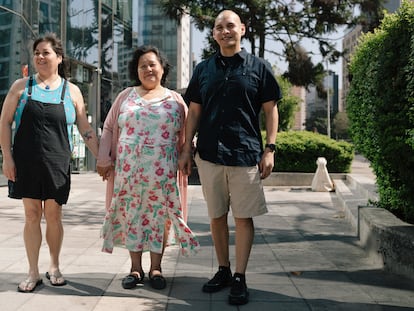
(246,79)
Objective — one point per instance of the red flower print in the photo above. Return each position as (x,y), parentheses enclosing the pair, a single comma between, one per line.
(145,222)
(120,149)
(165,135)
(153,197)
(128,149)
(159,171)
(126,167)
(167,105)
(130,131)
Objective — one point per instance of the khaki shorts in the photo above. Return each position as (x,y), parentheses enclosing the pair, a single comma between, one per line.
(235,186)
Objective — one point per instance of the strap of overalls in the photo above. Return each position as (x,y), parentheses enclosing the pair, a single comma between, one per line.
(62,96)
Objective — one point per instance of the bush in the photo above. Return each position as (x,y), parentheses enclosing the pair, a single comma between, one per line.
(298,152)
(380,108)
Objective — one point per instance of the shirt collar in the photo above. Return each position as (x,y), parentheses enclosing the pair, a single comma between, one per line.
(242,54)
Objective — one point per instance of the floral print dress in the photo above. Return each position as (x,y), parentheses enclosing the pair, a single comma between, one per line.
(146,195)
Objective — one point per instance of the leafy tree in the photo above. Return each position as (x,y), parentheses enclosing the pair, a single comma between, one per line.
(341,125)
(380,107)
(283,21)
(317,122)
(287,106)
(372,12)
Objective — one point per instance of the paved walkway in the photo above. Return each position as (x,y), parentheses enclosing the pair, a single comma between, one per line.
(305,257)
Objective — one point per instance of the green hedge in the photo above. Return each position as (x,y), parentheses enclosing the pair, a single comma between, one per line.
(298,152)
(380,107)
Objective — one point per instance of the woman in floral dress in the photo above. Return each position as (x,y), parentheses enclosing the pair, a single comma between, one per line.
(138,155)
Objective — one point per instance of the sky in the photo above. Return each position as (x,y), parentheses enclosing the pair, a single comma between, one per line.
(198,43)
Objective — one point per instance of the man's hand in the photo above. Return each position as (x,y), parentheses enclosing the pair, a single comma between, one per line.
(185,162)
(266,164)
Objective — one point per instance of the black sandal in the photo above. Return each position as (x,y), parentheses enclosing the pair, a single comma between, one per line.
(133,279)
(157,281)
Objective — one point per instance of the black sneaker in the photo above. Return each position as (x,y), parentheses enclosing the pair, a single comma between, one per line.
(220,280)
(239,295)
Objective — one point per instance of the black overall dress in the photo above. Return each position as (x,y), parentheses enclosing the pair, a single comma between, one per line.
(41,152)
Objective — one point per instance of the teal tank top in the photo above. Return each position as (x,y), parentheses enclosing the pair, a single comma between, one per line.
(48,96)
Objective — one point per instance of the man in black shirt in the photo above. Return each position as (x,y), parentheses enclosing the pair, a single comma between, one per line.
(226,94)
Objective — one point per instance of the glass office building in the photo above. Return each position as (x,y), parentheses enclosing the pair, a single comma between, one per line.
(154,28)
(99,37)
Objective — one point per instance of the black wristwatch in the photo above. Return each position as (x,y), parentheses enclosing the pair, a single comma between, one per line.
(272,147)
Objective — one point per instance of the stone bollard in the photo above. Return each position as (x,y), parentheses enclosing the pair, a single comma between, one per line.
(321,181)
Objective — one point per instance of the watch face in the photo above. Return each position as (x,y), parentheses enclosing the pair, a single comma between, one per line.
(271,146)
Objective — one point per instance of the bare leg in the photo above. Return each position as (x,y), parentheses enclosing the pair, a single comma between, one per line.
(54,236)
(32,234)
(136,274)
(156,278)
(155,263)
(157,258)
(244,242)
(136,263)
(220,234)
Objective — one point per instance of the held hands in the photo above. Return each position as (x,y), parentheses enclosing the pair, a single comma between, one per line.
(105,171)
(185,162)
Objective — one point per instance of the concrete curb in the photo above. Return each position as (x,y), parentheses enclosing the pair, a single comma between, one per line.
(279,179)
(388,240)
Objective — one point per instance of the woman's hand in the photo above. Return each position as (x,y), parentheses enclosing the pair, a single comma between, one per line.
(105,171)
(9,169)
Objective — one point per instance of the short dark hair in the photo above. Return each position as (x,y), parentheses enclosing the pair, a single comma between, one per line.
(57,46)
(133,64)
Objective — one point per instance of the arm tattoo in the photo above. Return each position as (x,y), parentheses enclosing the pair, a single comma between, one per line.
(87,135)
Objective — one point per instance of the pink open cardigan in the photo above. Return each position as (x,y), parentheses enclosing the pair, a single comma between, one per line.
(109,141)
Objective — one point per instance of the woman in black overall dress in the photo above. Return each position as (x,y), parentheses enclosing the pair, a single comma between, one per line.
(44,107)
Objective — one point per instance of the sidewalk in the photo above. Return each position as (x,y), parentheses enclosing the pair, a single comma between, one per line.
(305,257)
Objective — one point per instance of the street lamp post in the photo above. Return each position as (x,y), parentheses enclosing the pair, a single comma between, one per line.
(22,18)
(328,101)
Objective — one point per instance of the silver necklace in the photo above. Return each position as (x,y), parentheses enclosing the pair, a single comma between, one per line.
(47,86)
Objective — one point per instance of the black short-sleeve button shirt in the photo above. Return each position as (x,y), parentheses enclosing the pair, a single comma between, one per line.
(231,91)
